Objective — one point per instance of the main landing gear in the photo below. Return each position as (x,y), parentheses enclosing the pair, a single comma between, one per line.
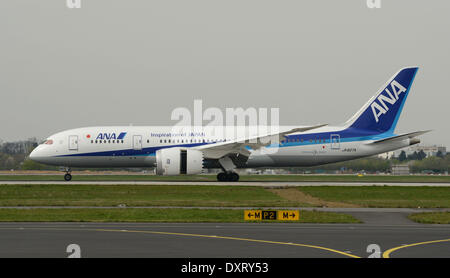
(228,176)
(227,166)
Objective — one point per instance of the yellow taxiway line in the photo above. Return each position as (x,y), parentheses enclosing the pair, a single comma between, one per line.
(387,253)
(232,238)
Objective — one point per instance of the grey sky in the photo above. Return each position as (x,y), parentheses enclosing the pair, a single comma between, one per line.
(116,62)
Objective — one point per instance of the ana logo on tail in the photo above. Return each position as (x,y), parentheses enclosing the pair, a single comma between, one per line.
(379,108)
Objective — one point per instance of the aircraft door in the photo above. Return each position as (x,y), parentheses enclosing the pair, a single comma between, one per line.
(137,142)
(335,141)
(73,142)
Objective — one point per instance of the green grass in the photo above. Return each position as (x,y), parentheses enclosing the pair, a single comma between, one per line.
(303,178)
(217,196)
(154,215)
(431,217)
(140,195)
(383,196)
(346,178)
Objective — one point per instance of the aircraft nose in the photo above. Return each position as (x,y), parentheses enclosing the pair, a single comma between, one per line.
(34,155)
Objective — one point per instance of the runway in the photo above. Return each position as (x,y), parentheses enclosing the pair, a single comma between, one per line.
(392,232)
(258,183)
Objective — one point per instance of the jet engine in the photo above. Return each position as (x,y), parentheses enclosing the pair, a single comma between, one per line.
(178,161)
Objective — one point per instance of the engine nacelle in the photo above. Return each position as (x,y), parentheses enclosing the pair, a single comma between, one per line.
(178,161)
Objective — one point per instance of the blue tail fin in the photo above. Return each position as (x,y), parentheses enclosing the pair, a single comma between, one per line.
(380,114)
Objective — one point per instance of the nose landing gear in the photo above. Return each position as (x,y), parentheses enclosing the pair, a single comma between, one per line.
(67,176)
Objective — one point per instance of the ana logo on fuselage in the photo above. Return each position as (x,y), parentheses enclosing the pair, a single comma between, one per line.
(109,136)
(379,108)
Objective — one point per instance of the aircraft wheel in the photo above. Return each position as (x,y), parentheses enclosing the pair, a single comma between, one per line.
(222,176)
(234,177)
(67,177)
(228,176)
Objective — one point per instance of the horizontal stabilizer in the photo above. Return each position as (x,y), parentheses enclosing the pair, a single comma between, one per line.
(401,137)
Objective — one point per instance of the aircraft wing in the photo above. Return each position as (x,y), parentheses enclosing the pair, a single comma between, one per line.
(401,137)
(239,146)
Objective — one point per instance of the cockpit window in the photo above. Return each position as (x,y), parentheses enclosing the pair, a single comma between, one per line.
(48,142)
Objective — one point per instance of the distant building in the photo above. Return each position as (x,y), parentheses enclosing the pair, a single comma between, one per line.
(386,155)
(400,170)
(428,150)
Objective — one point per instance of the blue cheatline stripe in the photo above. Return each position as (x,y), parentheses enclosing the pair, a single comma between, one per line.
(151,151)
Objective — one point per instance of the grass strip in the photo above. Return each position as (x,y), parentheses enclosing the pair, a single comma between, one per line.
(431,217)
(155,215)
(383,196)
(141,195)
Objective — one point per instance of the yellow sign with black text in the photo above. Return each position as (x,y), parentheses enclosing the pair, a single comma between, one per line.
(252,215)
(289,215)
(282,215)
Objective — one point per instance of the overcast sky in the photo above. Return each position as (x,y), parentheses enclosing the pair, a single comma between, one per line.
(121,62)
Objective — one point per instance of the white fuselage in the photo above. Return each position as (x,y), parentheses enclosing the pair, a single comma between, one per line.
(129,146)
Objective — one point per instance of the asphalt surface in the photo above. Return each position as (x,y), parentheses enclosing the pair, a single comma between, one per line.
(245,183)
(391,231)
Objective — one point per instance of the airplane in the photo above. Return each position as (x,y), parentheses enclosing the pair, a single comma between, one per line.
(368,132)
